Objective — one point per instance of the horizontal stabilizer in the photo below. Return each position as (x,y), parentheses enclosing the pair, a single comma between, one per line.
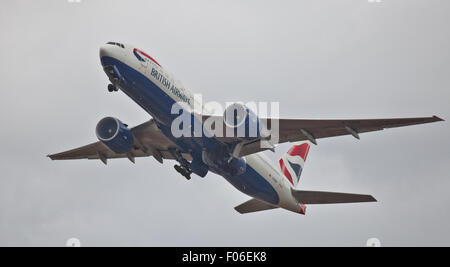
(317,197)
(253,205)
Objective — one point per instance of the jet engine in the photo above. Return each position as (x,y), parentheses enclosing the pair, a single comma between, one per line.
(241,122)
(115,135)
(220,162)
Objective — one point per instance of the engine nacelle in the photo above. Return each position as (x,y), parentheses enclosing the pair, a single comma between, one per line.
(241,122)
(115,135)
(219,162)
(238,166)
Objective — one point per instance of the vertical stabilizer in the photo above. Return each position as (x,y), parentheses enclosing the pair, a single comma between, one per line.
(293,161)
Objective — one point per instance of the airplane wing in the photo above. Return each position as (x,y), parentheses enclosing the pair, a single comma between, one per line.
(293,130)
(317,197)
(148,141)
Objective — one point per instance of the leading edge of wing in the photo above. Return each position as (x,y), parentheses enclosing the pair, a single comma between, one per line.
(337,123)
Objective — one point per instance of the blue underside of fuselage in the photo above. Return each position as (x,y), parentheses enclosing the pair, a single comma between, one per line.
(159,105)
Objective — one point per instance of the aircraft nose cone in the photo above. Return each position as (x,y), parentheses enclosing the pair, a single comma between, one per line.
(105,51)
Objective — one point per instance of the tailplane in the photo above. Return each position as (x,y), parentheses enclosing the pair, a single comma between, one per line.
(293,161)
(317,197)
(253,205)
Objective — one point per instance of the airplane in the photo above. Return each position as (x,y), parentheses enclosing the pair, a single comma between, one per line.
(239,159)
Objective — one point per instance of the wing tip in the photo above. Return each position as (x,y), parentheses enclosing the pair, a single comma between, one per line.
(238,210)
(436,118)
(370,198)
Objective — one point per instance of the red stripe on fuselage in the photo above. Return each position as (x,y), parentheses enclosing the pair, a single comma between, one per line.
(149,57)
(285,171)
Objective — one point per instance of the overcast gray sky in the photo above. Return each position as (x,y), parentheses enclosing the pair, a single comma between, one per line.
(319,59)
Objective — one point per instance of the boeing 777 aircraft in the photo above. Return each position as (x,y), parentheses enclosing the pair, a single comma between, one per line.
(236,158)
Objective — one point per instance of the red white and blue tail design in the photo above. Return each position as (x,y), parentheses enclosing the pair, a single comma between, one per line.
(293,161)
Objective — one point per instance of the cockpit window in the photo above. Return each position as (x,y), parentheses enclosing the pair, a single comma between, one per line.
(118,44)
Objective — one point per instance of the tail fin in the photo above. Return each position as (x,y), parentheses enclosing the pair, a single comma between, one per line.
(292,162)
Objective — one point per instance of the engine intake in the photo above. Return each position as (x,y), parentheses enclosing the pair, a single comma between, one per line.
(115,135)
(241,122)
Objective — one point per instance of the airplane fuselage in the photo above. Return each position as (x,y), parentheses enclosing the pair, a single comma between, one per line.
(143,79)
